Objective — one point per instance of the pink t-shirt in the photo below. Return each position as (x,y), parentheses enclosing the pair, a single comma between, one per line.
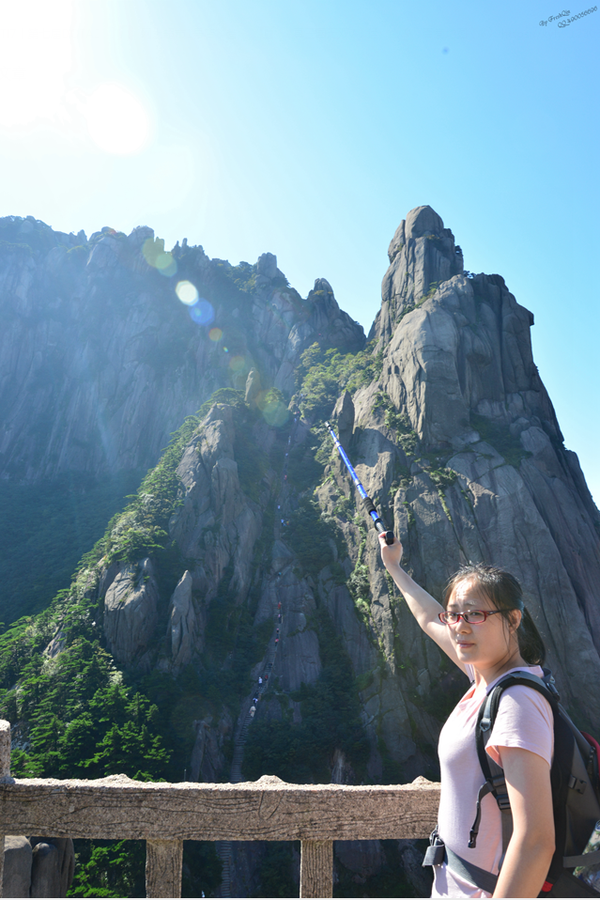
(524,720)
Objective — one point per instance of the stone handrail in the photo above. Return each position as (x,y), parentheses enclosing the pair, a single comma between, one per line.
(164,815)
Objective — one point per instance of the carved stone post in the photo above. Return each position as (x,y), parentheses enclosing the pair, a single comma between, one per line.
(316,869)
(4,777)
(163,868)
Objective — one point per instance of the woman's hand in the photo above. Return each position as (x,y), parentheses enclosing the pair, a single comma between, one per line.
(391,554)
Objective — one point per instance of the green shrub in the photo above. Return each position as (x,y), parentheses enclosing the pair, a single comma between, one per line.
(322,376)
(359,585)
(109,869)
(309,535)
(397,422)
(442,477)
(79,721)
(499,436)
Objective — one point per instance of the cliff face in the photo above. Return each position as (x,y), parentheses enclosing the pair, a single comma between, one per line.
(456,437)
(100,360)
(486,475)
(245,552)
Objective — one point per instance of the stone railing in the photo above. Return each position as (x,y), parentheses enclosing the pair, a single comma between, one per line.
(164,815)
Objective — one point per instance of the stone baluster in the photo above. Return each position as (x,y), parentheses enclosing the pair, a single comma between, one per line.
(316,869)
(4,777)
(164,860)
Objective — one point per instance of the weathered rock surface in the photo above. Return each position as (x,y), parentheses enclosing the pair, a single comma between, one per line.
(208,759)
(37,867)
(52,866)
(216,523)
(422,255)
(458,443)
(17,866)
(184,628)
(343,412)
(130,611)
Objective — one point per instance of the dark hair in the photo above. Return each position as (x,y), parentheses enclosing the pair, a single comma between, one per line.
(504,593)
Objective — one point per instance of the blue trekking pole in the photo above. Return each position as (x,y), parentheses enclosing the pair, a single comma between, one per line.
(367,502)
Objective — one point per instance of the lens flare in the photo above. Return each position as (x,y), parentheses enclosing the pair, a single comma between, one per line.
(276,413)
(155,255)
(202,312)
(166,264)
(186,292)
(215,334)
(237,363)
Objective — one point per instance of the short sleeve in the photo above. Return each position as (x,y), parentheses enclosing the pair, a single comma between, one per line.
(524,720)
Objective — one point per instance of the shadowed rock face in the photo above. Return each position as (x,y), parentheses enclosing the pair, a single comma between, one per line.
(100,360)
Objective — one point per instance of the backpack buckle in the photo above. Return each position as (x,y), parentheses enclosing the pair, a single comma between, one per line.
(435,854)
(577,784)
(503,801)
(500,792)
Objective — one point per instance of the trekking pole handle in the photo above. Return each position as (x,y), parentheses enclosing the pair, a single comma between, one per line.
(389,535)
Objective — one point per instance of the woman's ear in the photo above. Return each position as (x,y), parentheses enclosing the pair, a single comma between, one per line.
(516,617)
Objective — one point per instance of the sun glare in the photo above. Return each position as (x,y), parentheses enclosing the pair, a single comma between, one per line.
(116,120)
(36,65)
(35,58)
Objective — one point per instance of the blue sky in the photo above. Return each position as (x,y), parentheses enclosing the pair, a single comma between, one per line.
(309,129)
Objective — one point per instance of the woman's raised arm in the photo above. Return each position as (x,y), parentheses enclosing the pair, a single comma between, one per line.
(421,604)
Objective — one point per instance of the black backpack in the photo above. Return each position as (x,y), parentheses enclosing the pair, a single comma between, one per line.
(575,795)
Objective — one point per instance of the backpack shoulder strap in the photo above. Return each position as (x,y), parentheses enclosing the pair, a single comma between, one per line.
(492,772)
(489,708)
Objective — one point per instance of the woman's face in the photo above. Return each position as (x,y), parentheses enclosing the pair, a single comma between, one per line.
(489,646)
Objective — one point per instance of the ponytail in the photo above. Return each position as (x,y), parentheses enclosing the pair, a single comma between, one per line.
(531,645)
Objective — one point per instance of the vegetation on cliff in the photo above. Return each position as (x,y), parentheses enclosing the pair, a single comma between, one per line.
(324,374)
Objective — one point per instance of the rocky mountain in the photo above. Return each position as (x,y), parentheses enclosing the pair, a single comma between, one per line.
(101,361)
(244,552)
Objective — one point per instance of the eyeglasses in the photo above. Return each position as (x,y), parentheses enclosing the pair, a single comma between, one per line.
(474,617)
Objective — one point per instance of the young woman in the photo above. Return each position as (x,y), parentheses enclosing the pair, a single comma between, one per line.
(486,631)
